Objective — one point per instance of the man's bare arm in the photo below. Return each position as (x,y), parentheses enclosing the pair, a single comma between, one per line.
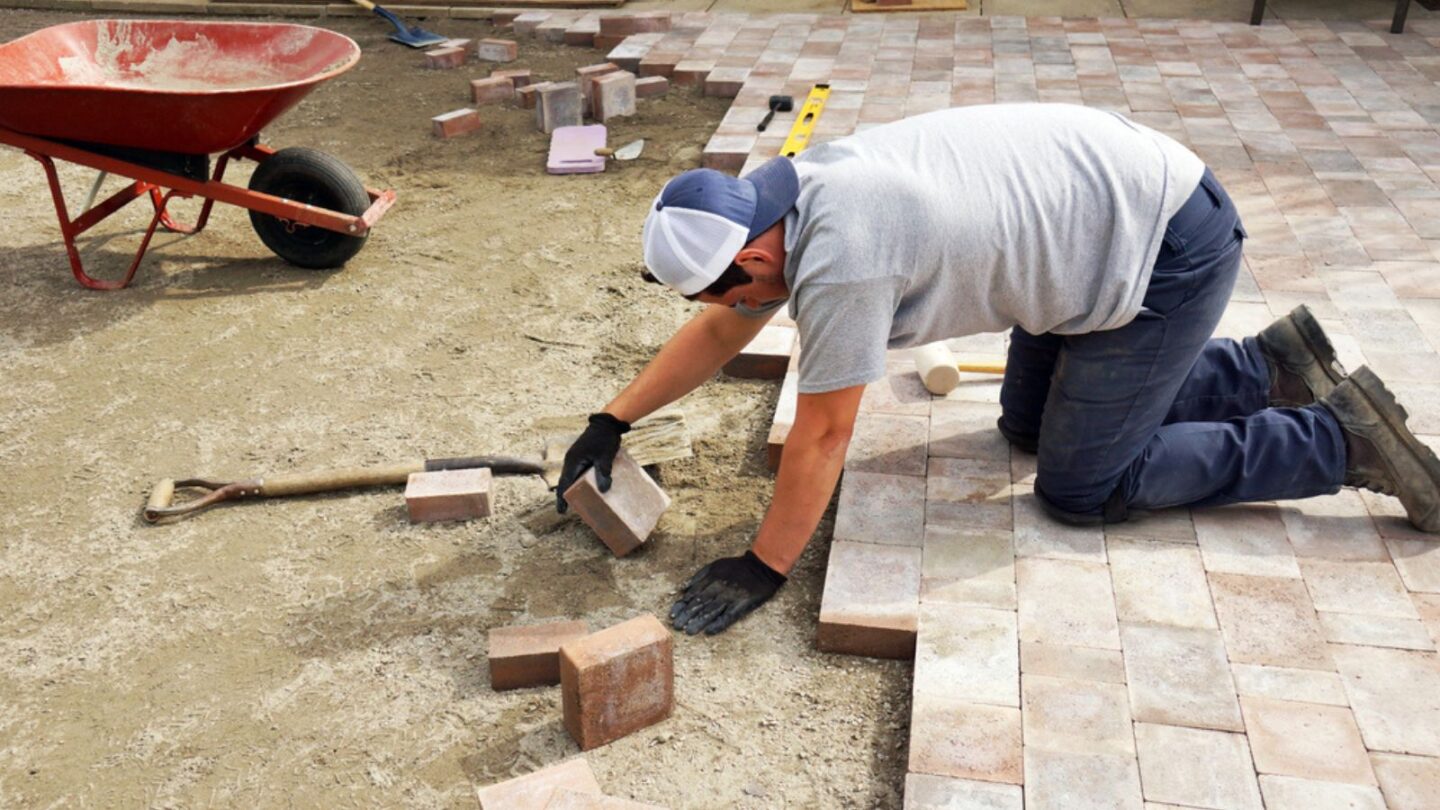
(692,356)
(809,469)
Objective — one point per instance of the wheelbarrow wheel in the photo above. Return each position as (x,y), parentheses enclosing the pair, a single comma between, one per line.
(315,178)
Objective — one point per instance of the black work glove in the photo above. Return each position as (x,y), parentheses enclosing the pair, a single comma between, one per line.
(724,592)
(596,448)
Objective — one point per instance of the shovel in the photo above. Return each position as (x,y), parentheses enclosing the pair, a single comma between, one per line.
(629,151)
(161,504)
(412,35)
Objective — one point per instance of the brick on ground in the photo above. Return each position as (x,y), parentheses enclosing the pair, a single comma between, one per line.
(585,76)
(893,444)
(965,740)
(518,78)
(536,789)
(448,495)
(968,654)
(581,33)
(691,72)
(444,58)
(624,517)
(652,87)
(526,95)
(871,601)
(617,681)
(455,123)
(1179,676)
(529,655)
(881,508)
(557,104)
(497,50)
(766,356)
(494,90)
(1409,783)
(613,95)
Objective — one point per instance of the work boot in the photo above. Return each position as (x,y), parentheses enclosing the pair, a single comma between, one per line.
(1381,454)
(1302,362)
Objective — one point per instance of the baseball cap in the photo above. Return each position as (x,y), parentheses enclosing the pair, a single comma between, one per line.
(702,218)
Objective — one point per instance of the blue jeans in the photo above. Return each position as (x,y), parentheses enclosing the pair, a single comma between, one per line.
(1157,413)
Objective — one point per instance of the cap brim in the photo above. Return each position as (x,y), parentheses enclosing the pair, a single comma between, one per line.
(777,187)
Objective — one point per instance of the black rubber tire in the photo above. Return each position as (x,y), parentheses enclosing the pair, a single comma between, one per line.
(309,176)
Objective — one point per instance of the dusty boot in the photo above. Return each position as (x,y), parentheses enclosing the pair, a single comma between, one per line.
(1302,362)
(1381,454)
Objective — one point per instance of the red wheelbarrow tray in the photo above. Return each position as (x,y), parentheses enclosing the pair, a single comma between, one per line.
(167,85)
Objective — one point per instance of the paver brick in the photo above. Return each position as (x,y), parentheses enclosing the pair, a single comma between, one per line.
(968,654)
(455,123)
(528,23)
(493,90)
(626,24)
(613,95)
(1370,588)
(965,740)
(624,517)
(1077,717)
(1305,685)
(1396,697)
(766,356)
(536,789)
(725,82)
(1375,631)
(1408,783)
(444,58)
(1268,620)
(652,87)
(1065,602)
(881,508)
(925,791)
(888,443)
(557,104)
(617,681)
(584,77)
(526,95)
(727,153)
(871,601)
(497,50)
(1245,539)
(448,495)
(966,430)
(784,419)
(1039,535)
(1306,740)
(1160,583)
(1196,768)
(976,569)
(1067,780)
(1079,663)
(529,655)
(518,78)
(1292,793)
(1179,676)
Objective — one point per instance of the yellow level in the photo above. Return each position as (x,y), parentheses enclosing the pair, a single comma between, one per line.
(805,122)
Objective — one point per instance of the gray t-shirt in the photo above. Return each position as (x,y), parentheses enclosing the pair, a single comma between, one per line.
(974,219)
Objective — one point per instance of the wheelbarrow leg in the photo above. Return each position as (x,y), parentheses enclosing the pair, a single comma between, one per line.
(69,229)
(174,226)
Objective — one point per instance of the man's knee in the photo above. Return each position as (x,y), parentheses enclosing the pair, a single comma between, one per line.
(1078,499)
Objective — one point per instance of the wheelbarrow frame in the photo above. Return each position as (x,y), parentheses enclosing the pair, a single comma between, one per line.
(162,186)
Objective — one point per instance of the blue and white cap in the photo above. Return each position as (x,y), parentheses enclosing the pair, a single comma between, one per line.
(702,218)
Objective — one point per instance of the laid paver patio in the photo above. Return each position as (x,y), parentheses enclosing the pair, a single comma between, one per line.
(1284,650)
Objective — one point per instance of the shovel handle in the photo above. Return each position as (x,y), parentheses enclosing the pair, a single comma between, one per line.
(365,4)
(278,486)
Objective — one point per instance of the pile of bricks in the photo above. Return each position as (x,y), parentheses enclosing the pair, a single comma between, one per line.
(613,682)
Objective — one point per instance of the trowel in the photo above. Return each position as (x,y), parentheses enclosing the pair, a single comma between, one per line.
(629,151)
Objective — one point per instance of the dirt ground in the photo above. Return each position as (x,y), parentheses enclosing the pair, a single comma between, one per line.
(323,652)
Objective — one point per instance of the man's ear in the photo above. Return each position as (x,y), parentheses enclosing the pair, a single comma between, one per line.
(755,260)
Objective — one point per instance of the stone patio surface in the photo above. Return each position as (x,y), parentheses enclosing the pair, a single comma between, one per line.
(1275,655)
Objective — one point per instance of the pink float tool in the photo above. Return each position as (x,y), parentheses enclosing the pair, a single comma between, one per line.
(572,150)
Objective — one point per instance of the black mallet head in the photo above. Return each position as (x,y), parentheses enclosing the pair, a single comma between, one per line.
(777,104)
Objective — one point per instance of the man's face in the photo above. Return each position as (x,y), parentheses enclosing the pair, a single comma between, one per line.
(753,295)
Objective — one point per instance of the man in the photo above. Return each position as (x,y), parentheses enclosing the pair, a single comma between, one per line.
(1107,249)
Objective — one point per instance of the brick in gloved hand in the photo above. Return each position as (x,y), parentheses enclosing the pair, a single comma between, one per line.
(724,592)
(596,448)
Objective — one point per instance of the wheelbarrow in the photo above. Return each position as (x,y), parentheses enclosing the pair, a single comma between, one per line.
(151,101)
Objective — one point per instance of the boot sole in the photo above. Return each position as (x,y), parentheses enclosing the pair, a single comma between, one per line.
(1311,332)
(1395,416)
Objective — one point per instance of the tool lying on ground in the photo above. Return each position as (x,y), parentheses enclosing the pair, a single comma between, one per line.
(155,116)
(161,506)
(777,104)
(412,35)
(940,371)
(657,438)
(629,151)
(805,122)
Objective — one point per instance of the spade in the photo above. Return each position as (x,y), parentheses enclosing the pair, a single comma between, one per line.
(777,104)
